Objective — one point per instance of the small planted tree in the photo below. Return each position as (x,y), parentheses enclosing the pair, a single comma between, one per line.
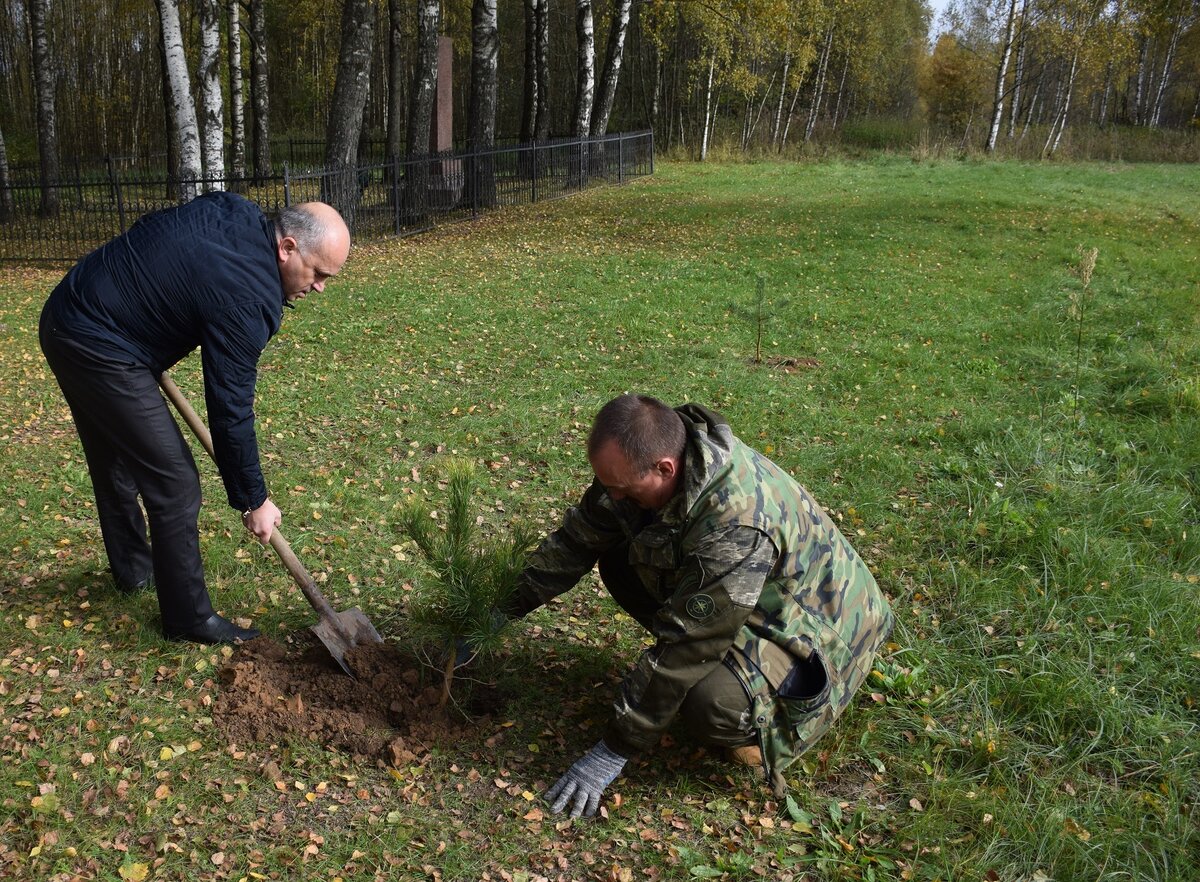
(759,315)
(469,577)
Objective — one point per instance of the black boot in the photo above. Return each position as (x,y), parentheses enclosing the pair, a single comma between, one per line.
(216,629)
(135,587)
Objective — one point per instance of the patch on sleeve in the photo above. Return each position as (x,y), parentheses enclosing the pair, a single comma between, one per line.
(700,606)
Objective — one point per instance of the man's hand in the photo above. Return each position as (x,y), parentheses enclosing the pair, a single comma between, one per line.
(584,783)
(262,521)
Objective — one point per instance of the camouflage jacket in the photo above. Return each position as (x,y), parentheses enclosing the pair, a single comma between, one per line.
(749,571)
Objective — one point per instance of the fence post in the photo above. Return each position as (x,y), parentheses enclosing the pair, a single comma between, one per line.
(396,192)
(287,183)
(115,183)
(621,158)
(534,172)
(474,181)
(652,151)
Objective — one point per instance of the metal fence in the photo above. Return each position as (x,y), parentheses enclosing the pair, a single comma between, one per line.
(388,198)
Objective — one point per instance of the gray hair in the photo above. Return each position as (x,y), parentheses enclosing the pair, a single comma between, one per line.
(297,221)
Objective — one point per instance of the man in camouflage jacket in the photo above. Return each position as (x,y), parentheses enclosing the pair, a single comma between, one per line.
(765,619)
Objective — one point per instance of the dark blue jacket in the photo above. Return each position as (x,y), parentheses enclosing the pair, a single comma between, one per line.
(203,274)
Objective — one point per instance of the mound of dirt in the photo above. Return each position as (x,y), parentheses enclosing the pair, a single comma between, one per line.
(273,694)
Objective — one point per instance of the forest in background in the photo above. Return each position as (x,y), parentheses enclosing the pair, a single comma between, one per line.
(215,83)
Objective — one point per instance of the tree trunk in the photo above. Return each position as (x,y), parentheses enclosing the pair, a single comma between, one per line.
(787,120)
(346,107)
(183,111)
(708,94)
(541,128)
(612,67)
(212,114)
(420,106)
(819,85)
(1060,123)
(837,105)
(585,67)
(237,109)
(1139,94)
(1019,73)
(7,210)
(395,64)
(529,90)
(1001,76)
(47,117)
(1168,62)
(259,90)
(775,130)
(481,120)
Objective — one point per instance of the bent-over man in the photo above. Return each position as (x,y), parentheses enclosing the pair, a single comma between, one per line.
(214,273)
(765,619)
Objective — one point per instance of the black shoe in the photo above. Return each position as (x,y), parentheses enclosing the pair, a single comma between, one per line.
(137,587)
(216,629)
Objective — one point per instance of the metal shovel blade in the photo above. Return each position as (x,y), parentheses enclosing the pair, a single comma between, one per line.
(344,631)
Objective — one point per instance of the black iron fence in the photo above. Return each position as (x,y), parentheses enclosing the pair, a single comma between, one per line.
(390,198)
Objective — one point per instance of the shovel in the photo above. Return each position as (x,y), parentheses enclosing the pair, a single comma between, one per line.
(339,631)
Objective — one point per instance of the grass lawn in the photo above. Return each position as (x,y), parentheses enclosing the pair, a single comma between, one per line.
(1013,451)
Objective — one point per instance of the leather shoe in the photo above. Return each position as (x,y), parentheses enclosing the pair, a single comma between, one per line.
(216,629)
(137,587)
(746,755)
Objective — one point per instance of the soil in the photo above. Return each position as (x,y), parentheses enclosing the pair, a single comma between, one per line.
(386,713)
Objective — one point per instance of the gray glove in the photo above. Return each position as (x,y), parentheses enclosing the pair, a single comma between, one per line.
(584,782)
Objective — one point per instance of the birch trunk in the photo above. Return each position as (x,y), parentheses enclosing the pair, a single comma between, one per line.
(237,110)
(395,65)
(346,107)
(819,86)
(837,106)
(1019,73)
(481,122)
(787,120)
(787,62)
(1168,62)
(425,76)
(541,128)
(1140,88)
(585,67)
(259,90)
(712,67)
(212,113)
(7,211)
(612,67)
(1001,76)
(183,111)
(529,85)
(1060,123)
(47,117)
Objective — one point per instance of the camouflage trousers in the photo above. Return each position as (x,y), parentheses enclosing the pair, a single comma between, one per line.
(717,711)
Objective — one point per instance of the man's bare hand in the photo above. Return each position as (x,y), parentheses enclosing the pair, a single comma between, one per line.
(262,521)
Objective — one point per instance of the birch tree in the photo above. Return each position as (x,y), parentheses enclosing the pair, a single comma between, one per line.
(395,69)
(44,109)
(259,90)
(346,107)
(481,119)
(183,111)
(585,68)
(1006,45)
(529,84)
(212,114)
(541,126)
(612,67)
(425,75)
(237,110)
(7,211)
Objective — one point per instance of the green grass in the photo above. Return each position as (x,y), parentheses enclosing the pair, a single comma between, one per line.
(1031,513)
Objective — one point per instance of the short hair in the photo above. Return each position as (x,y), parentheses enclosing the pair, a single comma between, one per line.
(303,225)
(644,429)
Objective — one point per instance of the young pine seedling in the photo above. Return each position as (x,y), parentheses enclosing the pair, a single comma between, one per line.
(469,578)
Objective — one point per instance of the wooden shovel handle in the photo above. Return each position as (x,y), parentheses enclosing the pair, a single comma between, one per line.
(304,581)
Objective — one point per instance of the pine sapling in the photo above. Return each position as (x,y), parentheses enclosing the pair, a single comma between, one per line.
(469,578)
(759,315)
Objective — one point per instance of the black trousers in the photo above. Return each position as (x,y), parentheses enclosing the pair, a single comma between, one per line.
(717,710)
(134,447)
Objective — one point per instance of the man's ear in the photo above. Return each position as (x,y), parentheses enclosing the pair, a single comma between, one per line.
(285,248)
(667,467)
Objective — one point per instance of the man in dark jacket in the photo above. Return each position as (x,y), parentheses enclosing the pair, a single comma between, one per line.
(765,620)
(215,273)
